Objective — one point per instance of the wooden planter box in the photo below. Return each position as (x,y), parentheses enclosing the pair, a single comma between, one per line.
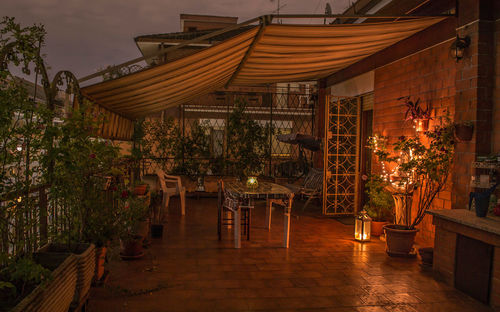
(55,295)
(85,257)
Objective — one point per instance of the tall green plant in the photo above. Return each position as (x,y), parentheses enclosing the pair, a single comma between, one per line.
(192,151)
(248,142)
(79,159)
(160,140)
(22,131)
(23,128)
(422,167)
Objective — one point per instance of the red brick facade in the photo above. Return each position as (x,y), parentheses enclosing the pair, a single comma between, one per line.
(428,75)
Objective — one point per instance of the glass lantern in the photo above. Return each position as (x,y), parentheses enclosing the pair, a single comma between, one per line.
(252,182)
(362,227)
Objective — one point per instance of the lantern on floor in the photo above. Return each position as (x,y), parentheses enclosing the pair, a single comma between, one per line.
(362,227)
(252,182)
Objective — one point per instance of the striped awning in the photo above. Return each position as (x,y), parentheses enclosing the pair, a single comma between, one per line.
(262,55)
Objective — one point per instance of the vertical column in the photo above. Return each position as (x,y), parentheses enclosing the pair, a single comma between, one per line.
(474,90)
(320,120)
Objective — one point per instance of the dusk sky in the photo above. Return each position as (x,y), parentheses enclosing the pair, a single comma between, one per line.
(85,35)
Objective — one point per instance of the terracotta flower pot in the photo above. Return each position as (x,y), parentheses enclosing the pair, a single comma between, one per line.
(100,258)
(140,189)
(377,227)
(399,240)
(132,248)
(427,255)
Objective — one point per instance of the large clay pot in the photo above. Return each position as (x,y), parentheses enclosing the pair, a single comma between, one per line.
(57,294)
(132,248)
(399,240)
(100,258)
(377,227)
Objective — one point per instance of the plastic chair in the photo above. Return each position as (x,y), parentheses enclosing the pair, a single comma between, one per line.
(168,192)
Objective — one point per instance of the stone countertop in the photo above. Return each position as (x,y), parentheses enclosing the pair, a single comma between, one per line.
(466,217)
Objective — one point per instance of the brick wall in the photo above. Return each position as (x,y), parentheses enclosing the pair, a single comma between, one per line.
(430,76)
(496,92)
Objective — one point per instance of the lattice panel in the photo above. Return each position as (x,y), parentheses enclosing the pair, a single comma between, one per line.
(341,161)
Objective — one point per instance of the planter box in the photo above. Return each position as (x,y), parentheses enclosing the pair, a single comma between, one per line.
(85,257)
(55,295)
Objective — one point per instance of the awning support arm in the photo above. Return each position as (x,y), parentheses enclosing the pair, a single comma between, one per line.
(264,21)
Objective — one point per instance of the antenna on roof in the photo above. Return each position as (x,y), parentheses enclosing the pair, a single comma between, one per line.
(277,11)
(328,11)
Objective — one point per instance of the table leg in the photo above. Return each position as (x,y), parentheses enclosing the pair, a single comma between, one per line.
(286,229)
(237,227)
(269,207)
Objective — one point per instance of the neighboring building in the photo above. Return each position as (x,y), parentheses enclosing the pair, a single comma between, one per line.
(290,106)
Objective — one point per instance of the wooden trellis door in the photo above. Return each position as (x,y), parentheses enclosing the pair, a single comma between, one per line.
(341,155)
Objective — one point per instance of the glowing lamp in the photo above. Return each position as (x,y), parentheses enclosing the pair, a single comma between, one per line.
(421,125)
(362,227)
(458,47)
(252,182)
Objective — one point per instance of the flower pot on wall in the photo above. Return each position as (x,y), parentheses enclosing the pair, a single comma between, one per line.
(464,132)
(57,294)
(399,240)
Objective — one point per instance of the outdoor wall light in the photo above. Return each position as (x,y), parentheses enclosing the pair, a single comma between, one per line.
(458,47)
(362,227)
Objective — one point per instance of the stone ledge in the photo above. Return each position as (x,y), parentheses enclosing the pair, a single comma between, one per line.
(466,217)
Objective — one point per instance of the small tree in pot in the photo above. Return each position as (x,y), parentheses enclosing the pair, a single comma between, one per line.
(421,171)
(380,203)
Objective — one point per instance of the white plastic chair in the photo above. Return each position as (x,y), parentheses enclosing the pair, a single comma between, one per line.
(168,192)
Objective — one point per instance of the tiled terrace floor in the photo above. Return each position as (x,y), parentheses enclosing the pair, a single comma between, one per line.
(323,270)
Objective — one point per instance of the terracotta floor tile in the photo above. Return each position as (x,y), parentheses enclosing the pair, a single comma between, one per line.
(324,269)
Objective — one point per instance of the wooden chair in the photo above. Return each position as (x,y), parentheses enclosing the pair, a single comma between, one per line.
(175,189)
(226,206)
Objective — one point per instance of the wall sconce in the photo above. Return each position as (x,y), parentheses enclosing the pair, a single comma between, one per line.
(457,49)
(362,227)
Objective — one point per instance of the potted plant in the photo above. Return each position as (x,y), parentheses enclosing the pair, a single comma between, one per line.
(379,205)
(464,131)
(132,215)
(421,171)
(415,113)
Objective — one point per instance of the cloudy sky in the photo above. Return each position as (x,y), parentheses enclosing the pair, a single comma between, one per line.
(85,35)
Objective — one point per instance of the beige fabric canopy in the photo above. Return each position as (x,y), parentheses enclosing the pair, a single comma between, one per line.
(264,54)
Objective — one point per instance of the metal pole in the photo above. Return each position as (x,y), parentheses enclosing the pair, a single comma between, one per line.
(270,135)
